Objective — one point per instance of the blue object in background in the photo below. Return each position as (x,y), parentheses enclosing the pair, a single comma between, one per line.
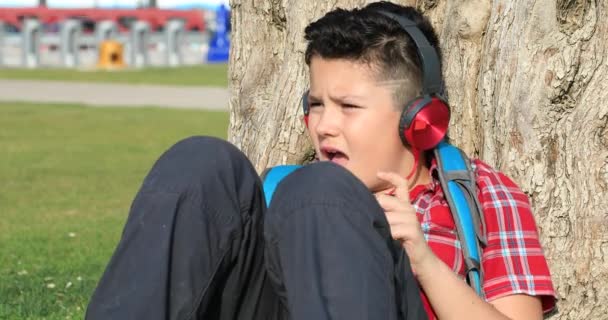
(219,46)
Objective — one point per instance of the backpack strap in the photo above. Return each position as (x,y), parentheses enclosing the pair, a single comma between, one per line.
(273,176)
(459,187)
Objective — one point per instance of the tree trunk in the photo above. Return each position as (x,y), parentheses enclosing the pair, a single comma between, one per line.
(527,86)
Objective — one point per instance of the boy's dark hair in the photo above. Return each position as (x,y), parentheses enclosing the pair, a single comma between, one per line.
(367,36)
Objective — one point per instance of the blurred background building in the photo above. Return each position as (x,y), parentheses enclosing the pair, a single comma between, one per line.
(91,34)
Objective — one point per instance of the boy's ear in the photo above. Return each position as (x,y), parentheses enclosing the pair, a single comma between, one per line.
(305,107)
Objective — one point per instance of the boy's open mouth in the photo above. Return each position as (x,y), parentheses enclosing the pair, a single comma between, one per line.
(334,155)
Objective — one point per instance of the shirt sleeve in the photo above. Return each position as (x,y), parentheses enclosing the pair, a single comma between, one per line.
(513,262)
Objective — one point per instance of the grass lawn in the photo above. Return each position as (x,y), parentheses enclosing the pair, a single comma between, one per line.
(67,177)
(199,75)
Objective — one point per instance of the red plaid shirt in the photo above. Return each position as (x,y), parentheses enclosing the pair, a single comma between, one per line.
(513,261)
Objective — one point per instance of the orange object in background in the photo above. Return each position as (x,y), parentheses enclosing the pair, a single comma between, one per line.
(111,55)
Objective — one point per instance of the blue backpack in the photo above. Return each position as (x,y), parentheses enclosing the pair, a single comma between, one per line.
(458,183)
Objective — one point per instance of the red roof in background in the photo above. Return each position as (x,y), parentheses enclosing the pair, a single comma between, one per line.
(193,19)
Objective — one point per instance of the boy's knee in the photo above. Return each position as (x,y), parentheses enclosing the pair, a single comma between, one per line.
(196,159)
(318,194)
(322,183)
(204,150)
(317,181)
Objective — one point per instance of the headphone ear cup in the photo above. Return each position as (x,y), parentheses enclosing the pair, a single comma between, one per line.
(305,107)
(424,122)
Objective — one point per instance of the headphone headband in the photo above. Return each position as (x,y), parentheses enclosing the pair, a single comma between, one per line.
(431,70)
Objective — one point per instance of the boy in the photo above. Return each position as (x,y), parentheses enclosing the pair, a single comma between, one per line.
(200,243)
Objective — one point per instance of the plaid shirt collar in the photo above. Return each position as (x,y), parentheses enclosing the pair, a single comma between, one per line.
(432,186)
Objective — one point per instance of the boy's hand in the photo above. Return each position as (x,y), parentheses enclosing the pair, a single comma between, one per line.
(403,222)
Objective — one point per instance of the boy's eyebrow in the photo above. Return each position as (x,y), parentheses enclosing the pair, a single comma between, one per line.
(393,83)
(311,97)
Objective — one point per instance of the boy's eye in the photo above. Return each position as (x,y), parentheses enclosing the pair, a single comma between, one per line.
(346,105)
(314,104)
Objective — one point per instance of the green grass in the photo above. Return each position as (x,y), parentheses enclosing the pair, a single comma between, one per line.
(199,75)
(67,177)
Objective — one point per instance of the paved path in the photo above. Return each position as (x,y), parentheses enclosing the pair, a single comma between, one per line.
(105,94)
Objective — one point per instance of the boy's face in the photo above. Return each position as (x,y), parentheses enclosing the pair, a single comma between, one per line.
(353,120)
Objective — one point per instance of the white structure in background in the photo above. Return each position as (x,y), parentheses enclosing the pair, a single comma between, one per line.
(186,4)
(1,43)
(70,35)
(174,35)
(31,31)
(139,39)
(105,30)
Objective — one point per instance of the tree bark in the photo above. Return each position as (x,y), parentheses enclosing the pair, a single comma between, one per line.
(528,91)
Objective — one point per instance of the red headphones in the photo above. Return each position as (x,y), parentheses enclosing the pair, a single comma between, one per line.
(424,120)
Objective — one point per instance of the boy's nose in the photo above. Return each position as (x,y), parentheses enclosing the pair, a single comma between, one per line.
(328,123)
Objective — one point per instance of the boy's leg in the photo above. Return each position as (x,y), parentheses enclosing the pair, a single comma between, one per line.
(330,253)
(192,245)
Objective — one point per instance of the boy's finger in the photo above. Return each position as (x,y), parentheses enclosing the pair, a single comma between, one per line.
(389,203)
(401,184)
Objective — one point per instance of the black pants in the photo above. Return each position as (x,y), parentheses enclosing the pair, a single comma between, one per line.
(199,243)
